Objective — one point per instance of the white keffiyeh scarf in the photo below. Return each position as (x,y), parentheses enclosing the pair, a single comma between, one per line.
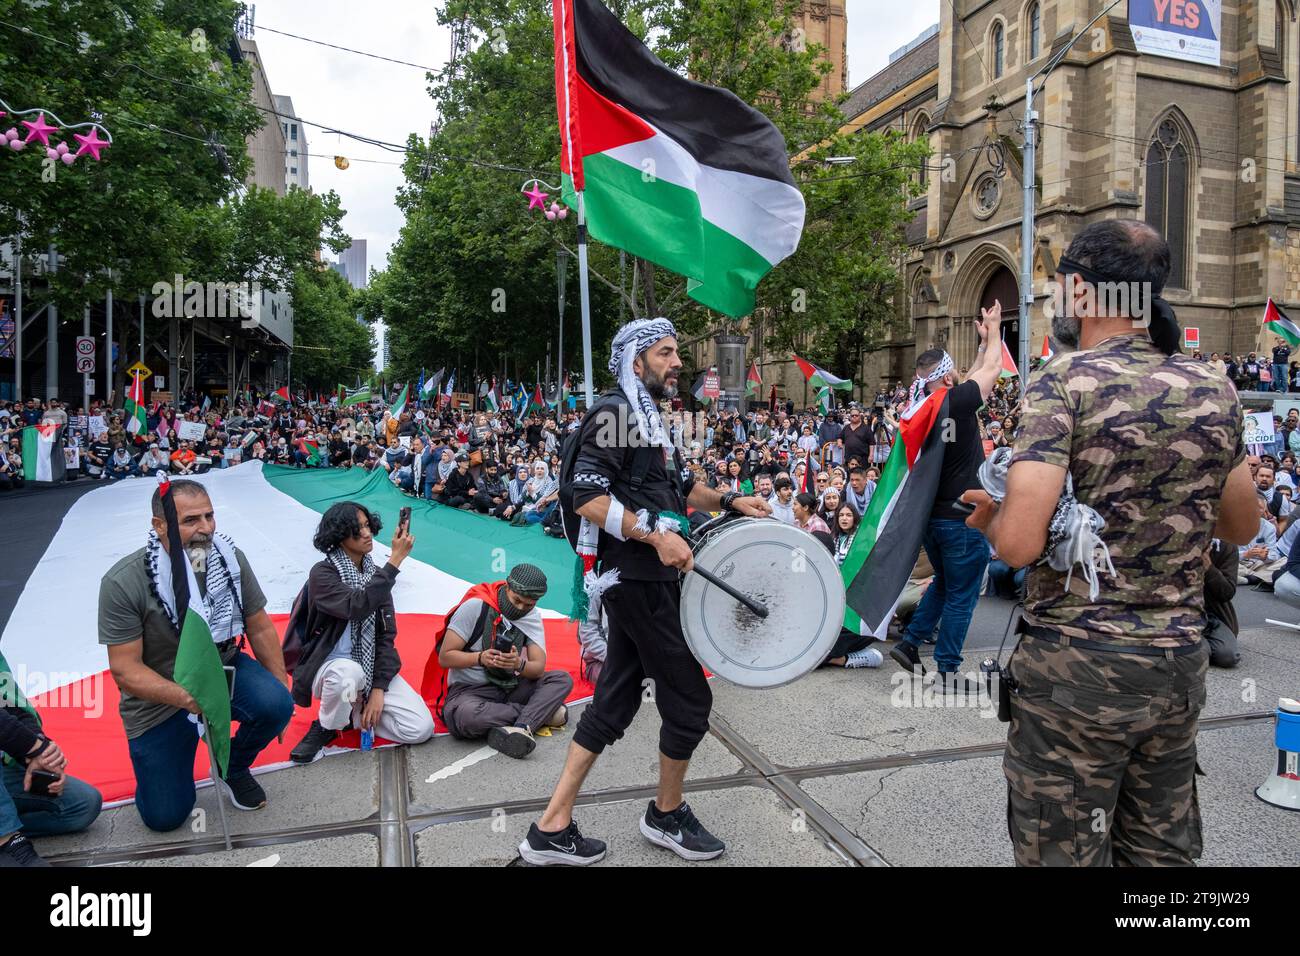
(917,392)
(221,600)
(363,631)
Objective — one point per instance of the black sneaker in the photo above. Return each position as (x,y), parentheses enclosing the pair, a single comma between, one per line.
(680,832)
(245,793)
(19,852)
(907,657)
(566,848)
(512,741)
(313,744)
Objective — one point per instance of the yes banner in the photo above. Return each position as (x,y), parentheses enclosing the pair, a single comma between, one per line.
(1180,29)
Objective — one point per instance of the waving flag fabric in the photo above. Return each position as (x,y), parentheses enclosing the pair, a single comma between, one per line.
(1276,321)
(686,175)
(43,453)
(888,540)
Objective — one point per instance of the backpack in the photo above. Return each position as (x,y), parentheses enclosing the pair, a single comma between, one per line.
(295,631)
(570,520)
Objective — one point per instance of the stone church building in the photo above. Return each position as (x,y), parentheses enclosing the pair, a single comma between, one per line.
(1209,155)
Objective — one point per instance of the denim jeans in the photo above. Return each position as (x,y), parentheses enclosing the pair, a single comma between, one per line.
(1006,582)
(163,757)
(959,555)
(539,515)
(70,812)
(1281,376)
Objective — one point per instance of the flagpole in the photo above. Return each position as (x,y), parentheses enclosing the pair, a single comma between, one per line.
(586,300)
(216,785)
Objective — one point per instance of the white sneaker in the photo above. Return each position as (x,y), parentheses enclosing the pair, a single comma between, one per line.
(865,658)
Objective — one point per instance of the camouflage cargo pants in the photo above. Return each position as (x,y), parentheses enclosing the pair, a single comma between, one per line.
(1101,757)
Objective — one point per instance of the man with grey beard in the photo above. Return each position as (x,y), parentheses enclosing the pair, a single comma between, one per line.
(137,621)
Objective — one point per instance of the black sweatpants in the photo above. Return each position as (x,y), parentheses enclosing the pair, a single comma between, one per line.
(647,659)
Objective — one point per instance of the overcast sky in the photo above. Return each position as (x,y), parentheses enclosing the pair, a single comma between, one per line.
(387,101)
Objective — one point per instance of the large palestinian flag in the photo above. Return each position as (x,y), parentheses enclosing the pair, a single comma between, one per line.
(64,539)
(888,540)
(43,453)
(686,175)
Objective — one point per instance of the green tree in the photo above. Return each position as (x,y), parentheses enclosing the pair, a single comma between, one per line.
(468,242)
(330,346)
(179,112)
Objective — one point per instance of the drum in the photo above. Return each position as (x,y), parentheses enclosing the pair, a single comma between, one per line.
(783,568)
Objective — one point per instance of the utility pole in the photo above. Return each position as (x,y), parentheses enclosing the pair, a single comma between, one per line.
(1031,193)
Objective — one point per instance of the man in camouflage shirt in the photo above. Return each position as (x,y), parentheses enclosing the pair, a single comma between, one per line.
(1108,690)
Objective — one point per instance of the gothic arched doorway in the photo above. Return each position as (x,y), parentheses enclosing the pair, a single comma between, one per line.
(1002,287)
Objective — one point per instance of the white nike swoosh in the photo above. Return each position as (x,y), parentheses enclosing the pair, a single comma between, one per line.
(572,848)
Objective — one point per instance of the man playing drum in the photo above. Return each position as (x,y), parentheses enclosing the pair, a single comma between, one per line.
(621,491)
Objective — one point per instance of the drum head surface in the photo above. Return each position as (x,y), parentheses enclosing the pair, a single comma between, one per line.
(786,569)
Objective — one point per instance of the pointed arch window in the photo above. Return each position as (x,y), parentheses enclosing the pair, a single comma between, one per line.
(1035,30)
(999,50)
(1168,185)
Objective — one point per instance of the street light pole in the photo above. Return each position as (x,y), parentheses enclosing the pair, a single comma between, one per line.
(1031,195)
(561,273)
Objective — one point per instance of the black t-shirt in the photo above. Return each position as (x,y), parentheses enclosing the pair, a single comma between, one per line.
(604,467)
(1281,355)
(857,443)
(963,455)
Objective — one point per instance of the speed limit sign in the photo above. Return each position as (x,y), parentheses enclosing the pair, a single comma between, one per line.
(85,345)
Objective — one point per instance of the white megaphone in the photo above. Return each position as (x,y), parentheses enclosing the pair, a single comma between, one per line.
(1282,788)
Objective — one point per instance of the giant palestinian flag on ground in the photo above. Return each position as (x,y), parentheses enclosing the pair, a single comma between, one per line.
(888,540)
(686,175)
(62,540)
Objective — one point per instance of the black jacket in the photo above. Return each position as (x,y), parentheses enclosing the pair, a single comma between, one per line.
(1221,584)
(331,605)
(458,485)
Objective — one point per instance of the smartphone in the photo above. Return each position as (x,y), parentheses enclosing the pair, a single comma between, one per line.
(963,507)
(41,782)
(404,519)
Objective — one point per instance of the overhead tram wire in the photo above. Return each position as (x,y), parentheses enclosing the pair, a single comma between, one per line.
(358,137)
(346,49)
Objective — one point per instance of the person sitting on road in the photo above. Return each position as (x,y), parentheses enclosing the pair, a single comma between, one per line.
(349,659)
(806,519)
(68,805)
(494,653)
(458,485)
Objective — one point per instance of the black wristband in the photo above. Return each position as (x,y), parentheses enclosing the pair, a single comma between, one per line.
(729,500)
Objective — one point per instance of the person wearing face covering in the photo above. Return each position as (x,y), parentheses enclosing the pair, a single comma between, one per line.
(493,655)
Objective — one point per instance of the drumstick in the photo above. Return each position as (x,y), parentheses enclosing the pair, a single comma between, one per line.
(744,599)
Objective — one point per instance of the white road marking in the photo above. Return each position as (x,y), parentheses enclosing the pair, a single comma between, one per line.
(478,756)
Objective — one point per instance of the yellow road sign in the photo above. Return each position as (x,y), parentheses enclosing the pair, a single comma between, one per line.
(139,368)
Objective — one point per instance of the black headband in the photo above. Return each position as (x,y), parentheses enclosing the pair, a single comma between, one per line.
(1162,325)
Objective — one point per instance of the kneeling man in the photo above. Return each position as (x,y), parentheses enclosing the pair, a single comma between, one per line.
(137,620)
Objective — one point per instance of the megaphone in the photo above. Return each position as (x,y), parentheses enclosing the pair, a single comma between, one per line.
(1282,788)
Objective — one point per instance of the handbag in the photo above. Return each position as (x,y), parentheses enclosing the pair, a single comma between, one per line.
(475,458)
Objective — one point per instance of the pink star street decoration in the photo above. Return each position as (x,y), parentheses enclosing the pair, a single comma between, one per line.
(536,198)
(39,130)
(90,144)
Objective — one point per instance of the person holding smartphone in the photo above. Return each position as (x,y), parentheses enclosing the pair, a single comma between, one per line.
(349,659)
(38,797)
